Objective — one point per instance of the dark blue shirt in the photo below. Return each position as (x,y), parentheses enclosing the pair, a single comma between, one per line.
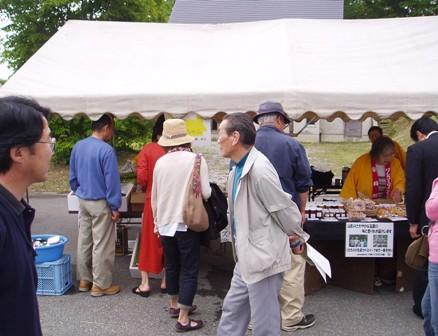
(19,313)
(289,159)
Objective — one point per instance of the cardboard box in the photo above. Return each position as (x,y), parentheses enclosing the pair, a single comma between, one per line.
(137,201)
(138,197)
(73,201)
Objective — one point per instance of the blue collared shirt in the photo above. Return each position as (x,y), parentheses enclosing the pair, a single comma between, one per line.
(94,173)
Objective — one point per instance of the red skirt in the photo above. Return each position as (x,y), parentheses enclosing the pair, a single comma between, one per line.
(151,257)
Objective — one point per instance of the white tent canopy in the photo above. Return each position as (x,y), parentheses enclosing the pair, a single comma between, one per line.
(328,68)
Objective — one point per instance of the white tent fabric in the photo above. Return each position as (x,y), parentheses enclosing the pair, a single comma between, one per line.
(328,68)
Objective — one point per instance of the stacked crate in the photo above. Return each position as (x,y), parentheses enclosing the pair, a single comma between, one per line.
(54,277)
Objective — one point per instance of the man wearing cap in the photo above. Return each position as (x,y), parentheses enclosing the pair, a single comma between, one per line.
(289,159)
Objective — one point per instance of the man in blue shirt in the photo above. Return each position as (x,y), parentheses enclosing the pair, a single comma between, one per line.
(25,152)
(95,180)
(290,161)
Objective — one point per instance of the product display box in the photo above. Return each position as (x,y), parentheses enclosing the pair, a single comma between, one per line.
(137,201)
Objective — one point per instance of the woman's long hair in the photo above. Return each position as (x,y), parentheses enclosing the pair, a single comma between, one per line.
(158,128)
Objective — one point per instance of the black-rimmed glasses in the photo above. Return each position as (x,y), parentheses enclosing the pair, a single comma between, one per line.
(51,142)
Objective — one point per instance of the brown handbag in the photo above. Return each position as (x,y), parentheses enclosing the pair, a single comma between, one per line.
(417,253)
(194,213)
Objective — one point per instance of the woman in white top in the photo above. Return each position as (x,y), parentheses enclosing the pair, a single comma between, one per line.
(181,245)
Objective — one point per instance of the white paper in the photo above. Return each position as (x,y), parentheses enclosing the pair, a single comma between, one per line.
(321,263)
(323,275)
(397,218)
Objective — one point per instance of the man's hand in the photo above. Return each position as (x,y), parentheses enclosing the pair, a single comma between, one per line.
(413,231)
(115,215)
(296,244)
(299,250)
(396,196)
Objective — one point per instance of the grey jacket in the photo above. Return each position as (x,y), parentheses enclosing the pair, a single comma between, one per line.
(264,217)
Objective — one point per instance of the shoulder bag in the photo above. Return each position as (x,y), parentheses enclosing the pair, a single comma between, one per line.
(417,253)
(194,213)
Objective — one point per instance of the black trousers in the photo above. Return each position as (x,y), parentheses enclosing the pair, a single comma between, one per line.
(181,255)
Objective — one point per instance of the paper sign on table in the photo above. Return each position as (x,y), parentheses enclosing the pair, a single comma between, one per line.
(369,240)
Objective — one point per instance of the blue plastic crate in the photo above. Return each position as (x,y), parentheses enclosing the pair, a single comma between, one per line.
(54,277)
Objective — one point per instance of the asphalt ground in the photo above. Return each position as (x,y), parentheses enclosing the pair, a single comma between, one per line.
(339,312)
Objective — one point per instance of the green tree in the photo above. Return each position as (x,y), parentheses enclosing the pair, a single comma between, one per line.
(372,9)
(33,22)
(130,136)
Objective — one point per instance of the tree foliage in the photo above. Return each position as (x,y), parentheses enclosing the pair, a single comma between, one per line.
(33,22)
(373,9)
(130,134)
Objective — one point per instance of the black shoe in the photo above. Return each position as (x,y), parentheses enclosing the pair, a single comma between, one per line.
(307,322)
(417,311)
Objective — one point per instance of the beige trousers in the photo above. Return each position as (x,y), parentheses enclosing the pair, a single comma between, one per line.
(96,243)
(292,292)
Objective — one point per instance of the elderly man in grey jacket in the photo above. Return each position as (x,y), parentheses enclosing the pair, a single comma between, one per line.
(265,223)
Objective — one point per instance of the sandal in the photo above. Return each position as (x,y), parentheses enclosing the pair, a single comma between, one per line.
(163,290)
(174,312)
(189,326)
(138,291)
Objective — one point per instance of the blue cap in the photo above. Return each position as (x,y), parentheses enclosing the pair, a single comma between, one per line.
(271,107)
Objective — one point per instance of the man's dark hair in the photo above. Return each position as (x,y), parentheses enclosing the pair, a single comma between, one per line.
(158,128)
(375,128)
(104,120)
(242,123)
(380,145)
(21,124)
(424,125)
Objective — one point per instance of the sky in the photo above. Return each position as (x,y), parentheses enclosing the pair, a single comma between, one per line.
(5,72)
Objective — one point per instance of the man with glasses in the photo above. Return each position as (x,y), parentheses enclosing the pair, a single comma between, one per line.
(95,180)
(25,153)
(290,161)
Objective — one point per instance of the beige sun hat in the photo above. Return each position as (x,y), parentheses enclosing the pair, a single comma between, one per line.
(174,133)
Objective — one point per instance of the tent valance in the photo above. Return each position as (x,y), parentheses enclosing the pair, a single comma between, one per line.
(325,68)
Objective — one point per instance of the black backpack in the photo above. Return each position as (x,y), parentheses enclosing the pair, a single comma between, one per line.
(217,207)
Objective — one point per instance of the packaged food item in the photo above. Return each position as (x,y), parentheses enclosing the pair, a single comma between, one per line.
(356,215)
(358,205)
(381,213)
